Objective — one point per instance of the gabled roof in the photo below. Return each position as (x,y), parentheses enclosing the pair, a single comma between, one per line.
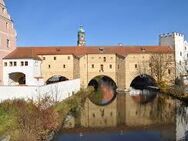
(22,53)
(33,52)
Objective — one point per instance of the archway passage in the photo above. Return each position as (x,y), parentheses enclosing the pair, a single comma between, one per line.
(142,82)
(105,90)
(143,89)
(55,79)
(17,78)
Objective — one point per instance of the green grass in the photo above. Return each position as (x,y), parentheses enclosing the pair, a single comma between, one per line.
(8,120)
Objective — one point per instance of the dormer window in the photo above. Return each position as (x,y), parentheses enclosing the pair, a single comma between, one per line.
(143,49)
(101,50)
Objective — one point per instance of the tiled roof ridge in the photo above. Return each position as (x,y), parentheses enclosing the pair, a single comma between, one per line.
(33,52)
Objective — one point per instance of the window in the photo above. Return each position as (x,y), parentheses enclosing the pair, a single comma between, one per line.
(8,43)
(185,48)
(110,66)
(10,63)
(3,9)
(169,72)
(102,67)
(136,66)
(55,58)
(44,58)
(150,65)
(5,64)
(15,63)
(26,63)
(49,66)
(64,66)
(22,63)
(118,66)
(180,53)
(68,57)
(180,62)
(93,115)
(111,58)
(104,59)
(93,66)
(7,25)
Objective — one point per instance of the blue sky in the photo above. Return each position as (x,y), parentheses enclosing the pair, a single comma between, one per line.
(107,22)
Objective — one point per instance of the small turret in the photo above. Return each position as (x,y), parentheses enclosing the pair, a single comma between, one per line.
(81,37)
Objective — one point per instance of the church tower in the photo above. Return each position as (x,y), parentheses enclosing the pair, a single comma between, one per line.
(7,35)
(81,37)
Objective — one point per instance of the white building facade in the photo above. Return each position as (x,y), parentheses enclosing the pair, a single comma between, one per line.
(178,42)
(22,72)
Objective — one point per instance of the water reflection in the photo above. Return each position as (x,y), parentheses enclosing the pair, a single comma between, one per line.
(105,90)
(182,122)
(128,136)
(154,120)
(143,96)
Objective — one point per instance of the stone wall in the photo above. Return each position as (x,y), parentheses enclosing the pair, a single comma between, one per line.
(58,91)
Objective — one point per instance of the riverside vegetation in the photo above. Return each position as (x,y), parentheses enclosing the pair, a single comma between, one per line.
(30,121)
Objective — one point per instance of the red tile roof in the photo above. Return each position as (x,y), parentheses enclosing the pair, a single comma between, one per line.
(33,52)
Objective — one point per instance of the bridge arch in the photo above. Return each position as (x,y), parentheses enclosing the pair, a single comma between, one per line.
(143,81)
(105,90)
(56,79)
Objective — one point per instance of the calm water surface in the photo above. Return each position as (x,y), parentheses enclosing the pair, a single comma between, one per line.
(162,112)
(118,136)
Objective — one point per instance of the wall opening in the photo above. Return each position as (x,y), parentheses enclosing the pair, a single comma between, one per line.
(56,79)
(17,78)
(143,89)
(143,82)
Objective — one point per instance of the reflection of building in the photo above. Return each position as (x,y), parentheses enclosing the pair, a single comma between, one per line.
(125,111)
(181,123)
(7,35)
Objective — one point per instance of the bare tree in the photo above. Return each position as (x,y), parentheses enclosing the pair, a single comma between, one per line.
(160,66)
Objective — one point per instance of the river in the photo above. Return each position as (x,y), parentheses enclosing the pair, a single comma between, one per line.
(160,119)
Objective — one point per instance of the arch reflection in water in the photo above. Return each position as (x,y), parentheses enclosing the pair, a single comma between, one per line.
(143,89)
(105,90)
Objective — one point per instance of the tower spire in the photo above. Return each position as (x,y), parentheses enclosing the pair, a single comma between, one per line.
(81,37)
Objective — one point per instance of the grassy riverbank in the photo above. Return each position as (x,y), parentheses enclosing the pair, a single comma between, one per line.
(30,121)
